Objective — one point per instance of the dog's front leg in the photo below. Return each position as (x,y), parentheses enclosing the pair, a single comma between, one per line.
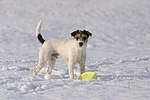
(71,70)
(82,65)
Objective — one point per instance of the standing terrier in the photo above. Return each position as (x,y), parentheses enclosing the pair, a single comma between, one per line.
(72,51)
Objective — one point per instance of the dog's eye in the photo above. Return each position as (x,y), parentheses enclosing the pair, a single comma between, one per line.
(77,38)
(84,38)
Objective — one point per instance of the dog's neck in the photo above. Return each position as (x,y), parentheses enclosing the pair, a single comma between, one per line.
(80,50)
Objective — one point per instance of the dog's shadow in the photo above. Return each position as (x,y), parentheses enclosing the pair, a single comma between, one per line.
(53,77)
(49,77)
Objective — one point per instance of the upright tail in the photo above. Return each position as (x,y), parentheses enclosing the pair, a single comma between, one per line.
(38,32)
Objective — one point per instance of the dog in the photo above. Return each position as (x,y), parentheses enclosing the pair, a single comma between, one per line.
(72,51)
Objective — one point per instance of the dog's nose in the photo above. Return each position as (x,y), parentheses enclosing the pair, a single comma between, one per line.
(80,44)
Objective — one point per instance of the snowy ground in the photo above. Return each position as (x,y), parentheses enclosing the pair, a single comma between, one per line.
(119,51)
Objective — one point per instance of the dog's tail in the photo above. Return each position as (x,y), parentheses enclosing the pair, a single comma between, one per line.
(38,32)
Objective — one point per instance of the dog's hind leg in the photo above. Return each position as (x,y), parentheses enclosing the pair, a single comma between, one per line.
(40,65)
(51,64)
(43,57)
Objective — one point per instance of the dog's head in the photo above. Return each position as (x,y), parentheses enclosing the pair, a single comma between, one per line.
(81,36)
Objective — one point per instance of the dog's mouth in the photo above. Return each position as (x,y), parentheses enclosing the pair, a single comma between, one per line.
(80,44)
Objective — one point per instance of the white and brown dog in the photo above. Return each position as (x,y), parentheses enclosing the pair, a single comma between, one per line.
(72,51)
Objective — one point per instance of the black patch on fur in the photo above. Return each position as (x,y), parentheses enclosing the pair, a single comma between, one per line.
(87,33)
(74,33)
(40,38)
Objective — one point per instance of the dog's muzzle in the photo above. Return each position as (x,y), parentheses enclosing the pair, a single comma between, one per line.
(80,44)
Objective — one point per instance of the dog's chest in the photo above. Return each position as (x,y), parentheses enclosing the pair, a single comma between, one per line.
(79,54)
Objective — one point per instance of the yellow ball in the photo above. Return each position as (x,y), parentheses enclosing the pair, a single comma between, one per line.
(88,76)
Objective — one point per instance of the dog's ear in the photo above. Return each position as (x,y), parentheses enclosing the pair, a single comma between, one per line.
(87,33)
(74,33)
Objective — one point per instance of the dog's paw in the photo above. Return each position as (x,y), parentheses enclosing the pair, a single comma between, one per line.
(35,70)
(47,76)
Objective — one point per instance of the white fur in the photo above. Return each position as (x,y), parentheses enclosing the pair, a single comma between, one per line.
(38,28)
(69,50)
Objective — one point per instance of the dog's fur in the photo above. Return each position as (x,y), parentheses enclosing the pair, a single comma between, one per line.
(72,51)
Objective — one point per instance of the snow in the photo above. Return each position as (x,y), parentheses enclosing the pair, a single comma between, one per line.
(119,51)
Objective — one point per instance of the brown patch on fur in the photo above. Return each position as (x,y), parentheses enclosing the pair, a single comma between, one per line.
(81,37)
(55,55)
